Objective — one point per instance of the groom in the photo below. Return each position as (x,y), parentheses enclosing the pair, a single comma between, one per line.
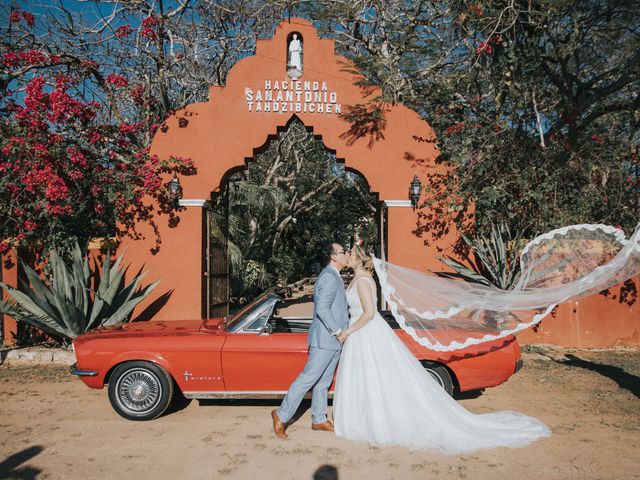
(330,319)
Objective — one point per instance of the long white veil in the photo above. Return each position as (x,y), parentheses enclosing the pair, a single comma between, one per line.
(570,262)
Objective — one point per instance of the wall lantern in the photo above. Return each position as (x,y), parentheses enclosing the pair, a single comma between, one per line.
(415,190)
(175,191)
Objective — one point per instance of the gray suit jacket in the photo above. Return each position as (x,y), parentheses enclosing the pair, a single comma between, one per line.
(330,310)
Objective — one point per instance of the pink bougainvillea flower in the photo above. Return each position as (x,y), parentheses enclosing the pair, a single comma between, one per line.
(116,80)
(29,18)
(124,31)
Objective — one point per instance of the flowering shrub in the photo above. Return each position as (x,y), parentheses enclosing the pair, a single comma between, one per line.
(17,15)
(117,81)
(149,27)
(66,174)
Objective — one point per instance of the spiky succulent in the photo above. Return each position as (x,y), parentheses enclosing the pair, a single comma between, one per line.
(66,306)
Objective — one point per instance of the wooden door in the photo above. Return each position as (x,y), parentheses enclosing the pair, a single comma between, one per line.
(216,263)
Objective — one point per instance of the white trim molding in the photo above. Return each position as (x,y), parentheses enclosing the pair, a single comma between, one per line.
(397,203)
(192,202)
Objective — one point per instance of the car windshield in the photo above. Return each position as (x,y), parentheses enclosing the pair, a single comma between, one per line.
(239,315)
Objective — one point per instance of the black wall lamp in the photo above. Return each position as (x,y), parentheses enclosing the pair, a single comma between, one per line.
(415,190)
(175,191)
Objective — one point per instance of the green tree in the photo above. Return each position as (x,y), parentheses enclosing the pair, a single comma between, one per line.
(534,104)
(292,200)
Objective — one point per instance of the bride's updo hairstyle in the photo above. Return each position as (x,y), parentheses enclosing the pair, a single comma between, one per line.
(363,258)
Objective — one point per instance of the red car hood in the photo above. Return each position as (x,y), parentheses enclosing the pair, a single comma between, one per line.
(142,329)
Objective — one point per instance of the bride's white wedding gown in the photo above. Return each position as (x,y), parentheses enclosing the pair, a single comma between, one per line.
(384,396)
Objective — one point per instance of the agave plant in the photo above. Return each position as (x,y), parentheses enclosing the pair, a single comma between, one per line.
(66,306)
(495,259)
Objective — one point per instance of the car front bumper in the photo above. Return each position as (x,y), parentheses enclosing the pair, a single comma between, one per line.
(74,370)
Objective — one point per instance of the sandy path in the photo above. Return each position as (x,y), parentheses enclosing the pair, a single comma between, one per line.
(54,427)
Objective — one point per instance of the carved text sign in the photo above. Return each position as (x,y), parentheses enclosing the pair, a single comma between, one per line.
(292,96)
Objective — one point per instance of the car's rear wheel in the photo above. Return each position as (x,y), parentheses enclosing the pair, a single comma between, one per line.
(140,390)
(440,374)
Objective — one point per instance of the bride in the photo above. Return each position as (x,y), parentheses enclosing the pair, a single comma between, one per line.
(384,396)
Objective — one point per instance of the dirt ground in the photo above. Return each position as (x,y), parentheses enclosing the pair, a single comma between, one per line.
(56,428)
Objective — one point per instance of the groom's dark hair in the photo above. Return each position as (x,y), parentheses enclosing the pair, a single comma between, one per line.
(329,250)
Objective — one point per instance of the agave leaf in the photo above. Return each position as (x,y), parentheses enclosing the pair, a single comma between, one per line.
(107,290)
(126,293)
(494,263)
(65,307)
(116,271)
(98,309)
(25,301)
(484,260)
(71,316)
(115,283)
(120,302)
(58,276)
(462,272)
(80,279)
(122,313)
(40,294)
(106,274)
(27,310)
(43,323)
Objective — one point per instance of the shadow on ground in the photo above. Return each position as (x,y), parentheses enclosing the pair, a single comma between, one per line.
(470,395)
(623,379)
(261,402)
(326,472)
(10,467)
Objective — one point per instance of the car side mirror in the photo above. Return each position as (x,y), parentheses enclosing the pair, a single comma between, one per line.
(267,330)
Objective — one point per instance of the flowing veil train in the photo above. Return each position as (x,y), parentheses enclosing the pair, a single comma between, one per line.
(559,266)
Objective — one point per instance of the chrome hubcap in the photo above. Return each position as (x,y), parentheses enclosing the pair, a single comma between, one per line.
(139,390)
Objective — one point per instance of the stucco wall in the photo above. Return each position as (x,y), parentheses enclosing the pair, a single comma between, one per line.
(221,135)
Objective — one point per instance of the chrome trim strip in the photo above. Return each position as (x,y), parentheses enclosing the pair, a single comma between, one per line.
(236,395)
(74,370)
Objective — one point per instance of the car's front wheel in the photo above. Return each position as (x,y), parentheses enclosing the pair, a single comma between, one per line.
(440,374)
(140,390)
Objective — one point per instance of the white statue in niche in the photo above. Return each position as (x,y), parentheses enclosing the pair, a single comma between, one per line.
(294,66)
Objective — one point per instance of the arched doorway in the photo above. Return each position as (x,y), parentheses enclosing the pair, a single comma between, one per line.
(269,222)
(262,94)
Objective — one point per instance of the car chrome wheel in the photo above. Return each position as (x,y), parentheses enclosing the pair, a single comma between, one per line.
(436,377)
(138,390)
(440,374)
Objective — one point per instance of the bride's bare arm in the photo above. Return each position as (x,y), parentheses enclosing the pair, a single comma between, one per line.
(368,305)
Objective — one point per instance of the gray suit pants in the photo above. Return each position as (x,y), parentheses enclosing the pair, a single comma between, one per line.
(317,373)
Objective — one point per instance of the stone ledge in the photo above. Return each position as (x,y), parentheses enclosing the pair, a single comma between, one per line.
(38,356)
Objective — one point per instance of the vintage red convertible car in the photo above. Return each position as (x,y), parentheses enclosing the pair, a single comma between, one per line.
(253,353)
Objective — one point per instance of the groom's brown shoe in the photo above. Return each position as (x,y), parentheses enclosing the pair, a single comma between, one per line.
(278,426)
(326,426)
